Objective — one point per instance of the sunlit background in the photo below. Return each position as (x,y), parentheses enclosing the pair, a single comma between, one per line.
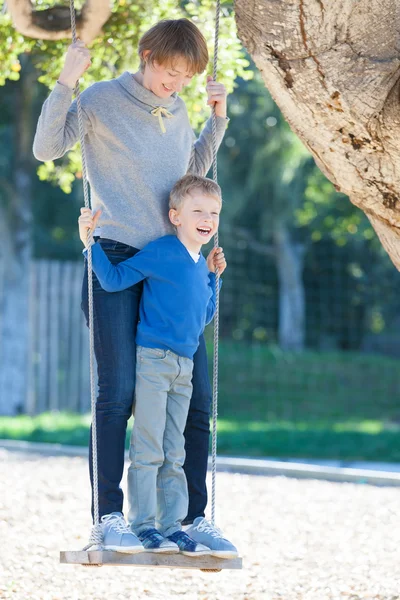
(310,324)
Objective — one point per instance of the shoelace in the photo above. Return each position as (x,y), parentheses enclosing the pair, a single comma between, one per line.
(116,522)
(206,527)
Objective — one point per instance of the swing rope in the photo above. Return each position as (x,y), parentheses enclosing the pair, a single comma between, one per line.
(216,317)
(96,536)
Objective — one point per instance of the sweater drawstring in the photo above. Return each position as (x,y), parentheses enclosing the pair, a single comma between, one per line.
(161,112)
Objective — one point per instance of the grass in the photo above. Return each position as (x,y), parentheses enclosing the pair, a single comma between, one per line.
(270,385)
(274,403)
(367,440)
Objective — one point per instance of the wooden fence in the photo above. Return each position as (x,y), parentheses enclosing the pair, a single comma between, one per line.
(338,308)
(58,363)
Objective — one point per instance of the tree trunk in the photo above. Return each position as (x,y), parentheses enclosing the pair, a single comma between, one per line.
(15,257)
(289,263)
(333,68)
(54,23)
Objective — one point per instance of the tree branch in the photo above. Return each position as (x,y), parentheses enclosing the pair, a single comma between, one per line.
(54,23)
(333,68)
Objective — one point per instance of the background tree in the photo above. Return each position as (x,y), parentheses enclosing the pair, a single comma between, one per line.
(266,182)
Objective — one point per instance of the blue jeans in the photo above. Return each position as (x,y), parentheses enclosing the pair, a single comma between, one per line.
(115,321)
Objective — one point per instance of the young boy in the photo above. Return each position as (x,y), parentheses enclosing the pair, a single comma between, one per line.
(178,301)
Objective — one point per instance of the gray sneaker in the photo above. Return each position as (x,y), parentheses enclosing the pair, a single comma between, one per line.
(203,532)
(118,536)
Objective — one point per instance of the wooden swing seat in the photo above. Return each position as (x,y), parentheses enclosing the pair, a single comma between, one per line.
(147,559)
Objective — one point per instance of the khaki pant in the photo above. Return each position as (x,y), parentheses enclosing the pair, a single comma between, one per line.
(157,488)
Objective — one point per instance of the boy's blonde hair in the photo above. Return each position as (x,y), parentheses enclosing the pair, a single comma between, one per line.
(190,183)
(172,39)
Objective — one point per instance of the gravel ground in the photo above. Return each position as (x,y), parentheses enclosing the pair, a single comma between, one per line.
(300,540)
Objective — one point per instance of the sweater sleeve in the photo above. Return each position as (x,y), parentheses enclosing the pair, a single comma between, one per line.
(115,278)
(212,302)
(202,150)
(57,129)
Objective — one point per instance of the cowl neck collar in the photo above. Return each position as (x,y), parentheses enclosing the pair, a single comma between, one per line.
(142,94)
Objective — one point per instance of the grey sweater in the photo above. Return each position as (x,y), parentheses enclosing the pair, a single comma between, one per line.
(132,165)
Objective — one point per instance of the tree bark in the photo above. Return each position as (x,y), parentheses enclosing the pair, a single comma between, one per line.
(15,256)
(333,68)
(289,263)
(54,23)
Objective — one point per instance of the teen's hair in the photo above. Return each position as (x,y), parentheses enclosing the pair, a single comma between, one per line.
(190,183)
(172,39)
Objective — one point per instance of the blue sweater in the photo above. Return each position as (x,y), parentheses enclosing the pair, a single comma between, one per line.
(178,294)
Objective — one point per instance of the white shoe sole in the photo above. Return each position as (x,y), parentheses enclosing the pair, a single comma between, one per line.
(194,554)
(162,550)
(127,550)
(222,554)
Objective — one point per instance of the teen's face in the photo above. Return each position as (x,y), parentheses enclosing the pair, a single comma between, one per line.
(197,220)
(164,80)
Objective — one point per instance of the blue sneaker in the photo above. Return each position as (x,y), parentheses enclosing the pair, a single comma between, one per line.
(204,532)
(153,541)
(188,546)
(118,536)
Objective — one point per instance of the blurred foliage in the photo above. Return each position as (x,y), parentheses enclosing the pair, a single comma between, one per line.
(116,51)
(269,176)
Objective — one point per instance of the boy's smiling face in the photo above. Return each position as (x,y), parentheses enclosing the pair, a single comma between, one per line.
(197,220)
